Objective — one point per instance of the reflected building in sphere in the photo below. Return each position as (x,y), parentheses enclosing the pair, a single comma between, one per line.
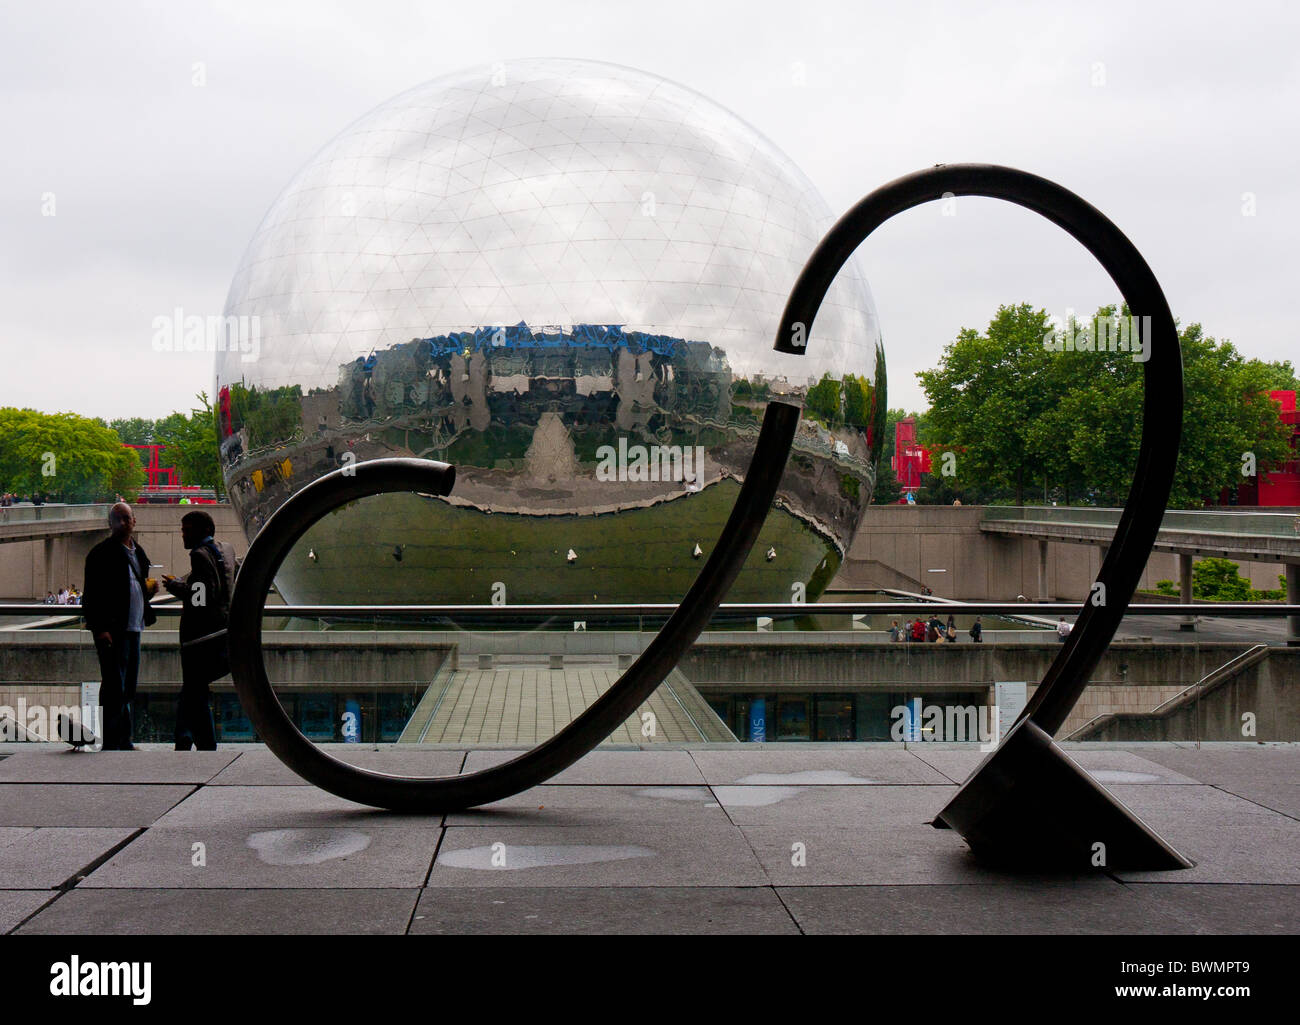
(564,278)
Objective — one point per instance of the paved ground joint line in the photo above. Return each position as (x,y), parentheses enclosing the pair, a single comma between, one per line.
(76,877)
(1223,788)
(54,896)
(797,924)
(419,894)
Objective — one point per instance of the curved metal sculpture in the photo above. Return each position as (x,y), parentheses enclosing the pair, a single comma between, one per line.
(1027,803)
(453,793)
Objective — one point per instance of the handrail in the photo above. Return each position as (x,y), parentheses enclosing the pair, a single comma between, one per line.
(1229,669)
(1251,655)
(1230,609)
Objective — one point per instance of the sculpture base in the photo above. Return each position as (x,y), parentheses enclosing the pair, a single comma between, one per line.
(1029,805)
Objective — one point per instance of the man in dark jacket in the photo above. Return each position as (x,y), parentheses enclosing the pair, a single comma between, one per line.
(205,592)
(115,605)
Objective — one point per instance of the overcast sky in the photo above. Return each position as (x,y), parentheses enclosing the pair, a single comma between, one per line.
(1173,119)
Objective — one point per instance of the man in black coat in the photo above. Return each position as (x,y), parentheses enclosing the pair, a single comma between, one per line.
(115,604)
(205,594)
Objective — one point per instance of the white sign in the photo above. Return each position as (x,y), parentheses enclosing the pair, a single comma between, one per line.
(1010,699)
(90,708)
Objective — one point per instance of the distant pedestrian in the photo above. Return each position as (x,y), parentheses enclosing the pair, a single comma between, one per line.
(976,631)
(950,630)
(918,629)
(1062,629)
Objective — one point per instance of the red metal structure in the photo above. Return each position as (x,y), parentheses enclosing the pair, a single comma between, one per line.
(910,459)
(163,483)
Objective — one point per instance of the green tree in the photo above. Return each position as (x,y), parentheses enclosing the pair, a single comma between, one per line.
(1026,417)
(1218,580)
(823,401)
(191,444)
(64,457)
(859,401)
(886,491)
(271,416)
(987,393)
(133,430)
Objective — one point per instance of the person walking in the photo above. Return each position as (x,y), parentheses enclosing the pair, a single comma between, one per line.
(976,631)
(205,594)
(1062,629)
(950,631)
(115,604)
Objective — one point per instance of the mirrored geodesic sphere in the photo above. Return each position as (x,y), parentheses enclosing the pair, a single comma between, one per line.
(564,278)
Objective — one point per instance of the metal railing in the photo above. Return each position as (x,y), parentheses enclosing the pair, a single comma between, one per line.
(15,514)
(1214,678)
(739,609)
(1191,521)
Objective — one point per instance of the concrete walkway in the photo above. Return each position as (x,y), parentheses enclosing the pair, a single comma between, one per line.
(813,838)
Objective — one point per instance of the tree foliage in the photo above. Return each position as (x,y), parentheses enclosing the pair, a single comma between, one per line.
(1023,419)
(191,442)
(64,457)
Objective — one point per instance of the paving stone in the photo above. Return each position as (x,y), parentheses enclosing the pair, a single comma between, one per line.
(1279,797)
(662,768)
(834,807)
(86,804)
(1116,768)
(1231,839)
(270,806)
(635,841)
(15,905)
(622,853)
(260,767)
(1240,908)
(63,765)
(807,764)
(877,852)
(1089,905)
(1107,765)
(237,912)
(1221,763)
(956,764)
(606,910)
(325,858)
(42,858)
(673,807)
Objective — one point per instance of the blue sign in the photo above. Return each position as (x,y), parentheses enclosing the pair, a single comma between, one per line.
(758,720)
(912,720)
(352,722)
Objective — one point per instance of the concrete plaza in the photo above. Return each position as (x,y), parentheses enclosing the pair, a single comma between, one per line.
(788,838)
